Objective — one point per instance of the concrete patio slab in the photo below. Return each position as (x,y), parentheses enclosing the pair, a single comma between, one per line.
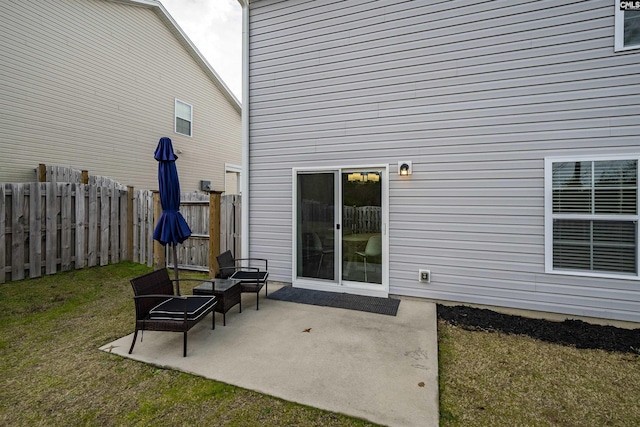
(376,367)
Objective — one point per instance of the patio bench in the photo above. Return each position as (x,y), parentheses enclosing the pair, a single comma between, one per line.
(158,308)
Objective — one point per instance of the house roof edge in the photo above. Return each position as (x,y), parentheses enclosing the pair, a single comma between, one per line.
(184,40)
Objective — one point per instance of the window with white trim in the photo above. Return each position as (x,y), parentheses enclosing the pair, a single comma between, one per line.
(591,209)
(627,26)
(184,118)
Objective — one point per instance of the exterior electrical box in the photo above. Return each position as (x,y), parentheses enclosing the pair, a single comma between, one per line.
(424,276)
(205,185)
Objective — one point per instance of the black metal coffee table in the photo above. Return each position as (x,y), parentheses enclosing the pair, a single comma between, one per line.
(228,292)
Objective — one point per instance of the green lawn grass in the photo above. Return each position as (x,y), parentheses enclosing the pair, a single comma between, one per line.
(494,379)
(52,372)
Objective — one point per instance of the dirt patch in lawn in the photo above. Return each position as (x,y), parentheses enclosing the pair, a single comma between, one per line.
(574,333)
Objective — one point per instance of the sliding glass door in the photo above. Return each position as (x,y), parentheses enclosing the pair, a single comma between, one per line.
(316,225)
(362,226)
(339,228)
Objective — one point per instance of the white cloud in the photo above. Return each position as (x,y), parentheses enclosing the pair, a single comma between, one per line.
(215,27)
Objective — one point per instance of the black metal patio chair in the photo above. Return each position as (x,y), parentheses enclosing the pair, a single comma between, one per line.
(252,279)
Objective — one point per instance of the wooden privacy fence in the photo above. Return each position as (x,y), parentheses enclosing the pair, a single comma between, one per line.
(46,227)
(196,208)
(359,219)
(362,219)
(50,173)
(49,227)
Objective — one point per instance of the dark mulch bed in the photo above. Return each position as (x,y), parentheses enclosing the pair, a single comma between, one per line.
(570,332)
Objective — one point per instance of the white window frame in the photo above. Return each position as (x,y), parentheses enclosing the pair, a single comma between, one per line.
(619,30)
(376,290)
(175,117)
(549,217)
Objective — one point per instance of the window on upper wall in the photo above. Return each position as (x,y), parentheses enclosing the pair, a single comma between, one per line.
(184,118)
(591,216)
(627,25)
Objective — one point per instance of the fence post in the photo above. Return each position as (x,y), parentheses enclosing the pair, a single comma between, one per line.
(3,228)
(159,256)
(214,231)
(84,177)
(130,197)
(42,172)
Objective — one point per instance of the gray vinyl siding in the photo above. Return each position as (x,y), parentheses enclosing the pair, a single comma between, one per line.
(91,84)
(476,95)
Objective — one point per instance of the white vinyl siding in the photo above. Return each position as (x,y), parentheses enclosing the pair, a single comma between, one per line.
(91,84)
(592,216)
(476,97)
(627,25)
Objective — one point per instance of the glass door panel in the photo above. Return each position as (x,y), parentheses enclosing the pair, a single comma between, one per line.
(362,226)
(316,216)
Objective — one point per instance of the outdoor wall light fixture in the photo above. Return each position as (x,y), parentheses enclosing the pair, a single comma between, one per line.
(404,168)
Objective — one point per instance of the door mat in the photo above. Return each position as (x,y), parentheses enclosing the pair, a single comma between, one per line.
(388,306)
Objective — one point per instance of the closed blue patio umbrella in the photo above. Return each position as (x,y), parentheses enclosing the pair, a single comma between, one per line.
(172,228)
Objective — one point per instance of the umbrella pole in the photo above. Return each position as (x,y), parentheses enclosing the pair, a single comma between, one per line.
(175,267)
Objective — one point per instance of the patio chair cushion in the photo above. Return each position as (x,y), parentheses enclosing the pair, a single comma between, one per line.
(251,281)
(173,308)
(251,276)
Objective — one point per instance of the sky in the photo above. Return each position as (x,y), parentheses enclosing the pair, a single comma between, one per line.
(215,28)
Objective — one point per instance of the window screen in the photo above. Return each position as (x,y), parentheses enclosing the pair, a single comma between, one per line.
(595,207)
